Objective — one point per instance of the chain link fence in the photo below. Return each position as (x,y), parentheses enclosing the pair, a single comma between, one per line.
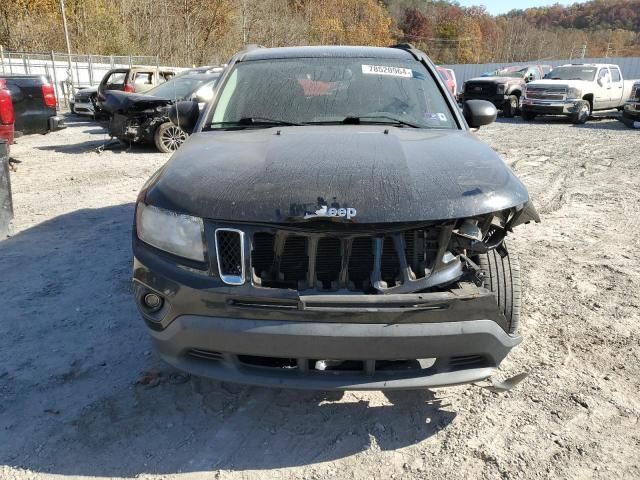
(69,72)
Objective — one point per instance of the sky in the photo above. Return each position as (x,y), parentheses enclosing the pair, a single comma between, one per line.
(496,7)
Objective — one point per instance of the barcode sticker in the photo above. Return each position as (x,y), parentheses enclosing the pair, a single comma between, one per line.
(385,70)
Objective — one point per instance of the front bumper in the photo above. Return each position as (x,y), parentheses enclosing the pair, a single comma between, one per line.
(548,107)
(84,108)
(241,335)
(56,123)
(285,354)
(498,100)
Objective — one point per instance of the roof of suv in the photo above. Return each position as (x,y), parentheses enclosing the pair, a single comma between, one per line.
(325,51)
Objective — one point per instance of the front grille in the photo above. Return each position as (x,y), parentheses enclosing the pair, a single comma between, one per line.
(546,93)
(480,88)
(230,254)
(341,260)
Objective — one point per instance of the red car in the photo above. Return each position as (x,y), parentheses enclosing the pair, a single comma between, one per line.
(448,80)
(7,117)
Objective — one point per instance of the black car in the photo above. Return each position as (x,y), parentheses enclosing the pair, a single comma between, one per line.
(34,103)
(332,223)
(143,118)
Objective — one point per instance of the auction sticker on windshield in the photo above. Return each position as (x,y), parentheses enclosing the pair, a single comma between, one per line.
(385,70)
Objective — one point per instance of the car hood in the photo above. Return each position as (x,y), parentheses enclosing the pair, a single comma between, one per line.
(560,83)
(386,174)
(87,90)
(116,101)
(494,79)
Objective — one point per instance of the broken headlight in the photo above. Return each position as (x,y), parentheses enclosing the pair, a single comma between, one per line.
(178,234)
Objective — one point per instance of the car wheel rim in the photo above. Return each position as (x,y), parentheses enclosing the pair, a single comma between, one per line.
(584,113)
(172,138)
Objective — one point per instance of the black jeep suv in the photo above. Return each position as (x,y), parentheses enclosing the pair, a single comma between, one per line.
(331,223)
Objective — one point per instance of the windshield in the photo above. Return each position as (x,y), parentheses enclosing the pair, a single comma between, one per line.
(180,87)
(515,72)
(576,72)
(330,90)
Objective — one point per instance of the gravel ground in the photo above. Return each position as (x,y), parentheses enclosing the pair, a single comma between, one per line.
(83,395)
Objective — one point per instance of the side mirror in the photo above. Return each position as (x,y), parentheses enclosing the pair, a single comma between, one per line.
(185,115)
(479,112)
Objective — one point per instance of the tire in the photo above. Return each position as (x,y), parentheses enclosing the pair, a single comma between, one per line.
(510,107)
(582,114)
(169,137)
(528,116)
(502,277)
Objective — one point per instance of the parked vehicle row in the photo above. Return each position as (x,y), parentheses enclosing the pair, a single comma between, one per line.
(574,90)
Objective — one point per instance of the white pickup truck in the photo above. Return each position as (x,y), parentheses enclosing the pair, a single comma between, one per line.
(576,90)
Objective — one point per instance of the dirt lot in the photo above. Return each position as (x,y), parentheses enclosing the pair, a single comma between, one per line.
(72,346)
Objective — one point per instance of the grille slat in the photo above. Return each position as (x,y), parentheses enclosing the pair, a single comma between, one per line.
(328,262)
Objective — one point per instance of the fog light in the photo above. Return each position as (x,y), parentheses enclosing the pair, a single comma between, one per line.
(152,301)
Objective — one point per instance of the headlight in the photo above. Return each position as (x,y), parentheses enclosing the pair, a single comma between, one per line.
(181,235)
(501,89)
(574,93)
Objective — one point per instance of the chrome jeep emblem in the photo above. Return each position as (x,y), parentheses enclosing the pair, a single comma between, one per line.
(325,211)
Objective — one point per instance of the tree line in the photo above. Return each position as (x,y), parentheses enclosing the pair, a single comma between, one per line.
(195,32)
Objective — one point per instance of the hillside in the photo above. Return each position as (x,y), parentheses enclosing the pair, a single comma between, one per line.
(207,31)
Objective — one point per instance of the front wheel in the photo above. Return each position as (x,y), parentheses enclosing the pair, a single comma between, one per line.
(582,113)
(510,108)
(502,277)
(528,116)
(169,137)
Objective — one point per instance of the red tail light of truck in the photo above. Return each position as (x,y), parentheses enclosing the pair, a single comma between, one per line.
(49,95)
(7,115)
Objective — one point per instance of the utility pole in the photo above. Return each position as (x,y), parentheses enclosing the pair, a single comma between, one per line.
(66,39)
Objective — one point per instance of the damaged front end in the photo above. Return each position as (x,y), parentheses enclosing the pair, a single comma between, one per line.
(134,118)
(383,260)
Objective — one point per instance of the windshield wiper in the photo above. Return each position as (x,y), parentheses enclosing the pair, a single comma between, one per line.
(382,120)
(245,122)
(388,118)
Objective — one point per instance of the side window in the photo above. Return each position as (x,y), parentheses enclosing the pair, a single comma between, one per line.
(143,78)
(615,75)
(166,76)
(603,76)
(535,71)
(115,80)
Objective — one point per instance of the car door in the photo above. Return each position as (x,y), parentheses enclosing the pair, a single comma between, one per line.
(601,95)
(616,91)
